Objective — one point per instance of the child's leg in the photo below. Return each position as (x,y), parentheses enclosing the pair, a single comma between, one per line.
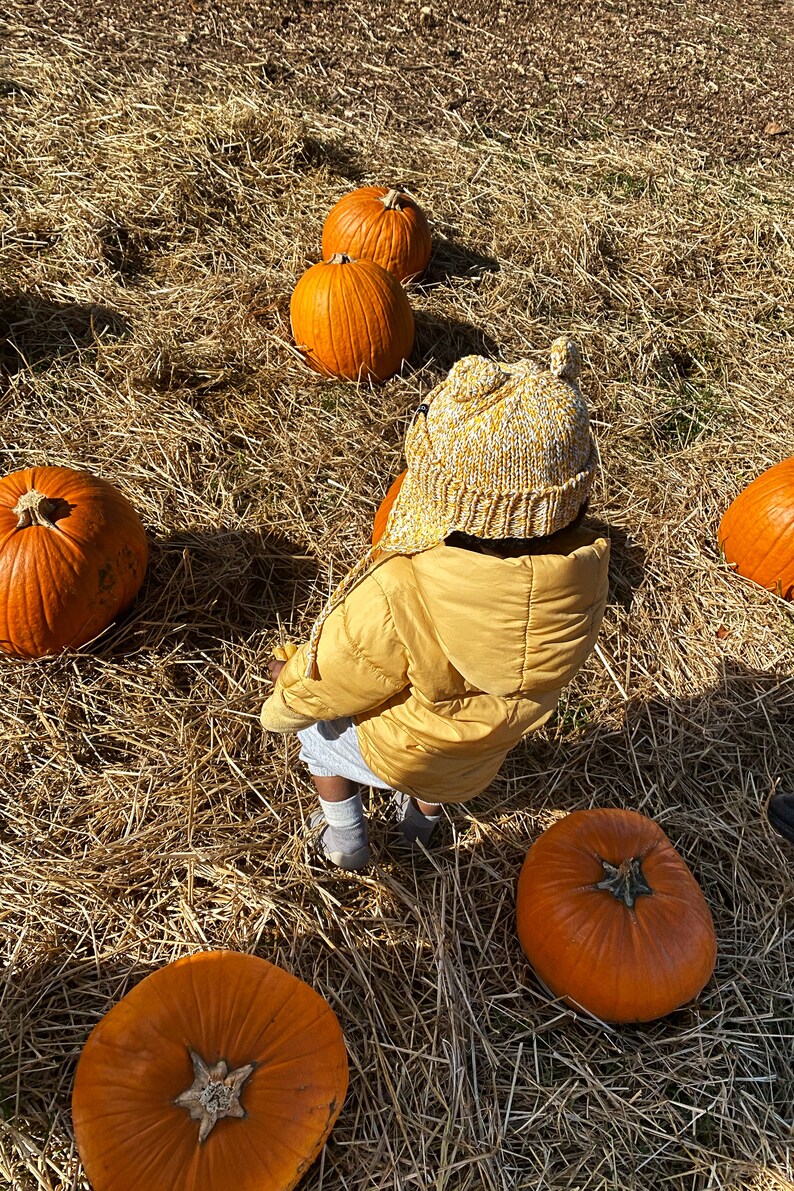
(331,751)
(345,837)
(325,746)
(334,789)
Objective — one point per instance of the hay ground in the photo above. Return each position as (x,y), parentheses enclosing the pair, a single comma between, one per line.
(152,231)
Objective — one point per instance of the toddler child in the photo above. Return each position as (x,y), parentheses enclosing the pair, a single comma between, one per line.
(453,637)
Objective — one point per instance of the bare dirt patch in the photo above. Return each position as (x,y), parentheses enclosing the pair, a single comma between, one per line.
(712,76)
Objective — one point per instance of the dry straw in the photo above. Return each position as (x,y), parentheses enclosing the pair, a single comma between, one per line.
(151,235)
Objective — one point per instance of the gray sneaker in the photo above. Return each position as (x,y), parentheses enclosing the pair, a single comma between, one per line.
(324,845)
(412,826)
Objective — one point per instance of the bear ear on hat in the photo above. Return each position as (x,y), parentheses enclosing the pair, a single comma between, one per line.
(565,359)
(473,377)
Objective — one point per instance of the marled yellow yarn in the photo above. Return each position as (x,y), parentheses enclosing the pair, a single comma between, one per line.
(498,451)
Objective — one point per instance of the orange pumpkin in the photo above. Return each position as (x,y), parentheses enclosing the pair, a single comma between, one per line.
(218,1071)
(73,554)
(379,224)
(382,515)
(351,319)
(756,534)
(611,918)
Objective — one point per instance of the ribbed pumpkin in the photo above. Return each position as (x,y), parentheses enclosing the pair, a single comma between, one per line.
(73,554)
(756,534)
(611,918)
(379,224)
(219,1072)
(382,515)
(351,319)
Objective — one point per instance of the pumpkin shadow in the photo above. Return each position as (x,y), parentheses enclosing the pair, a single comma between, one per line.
(442,340)
(339,159)
(451,259)
(36,331)
(212,588)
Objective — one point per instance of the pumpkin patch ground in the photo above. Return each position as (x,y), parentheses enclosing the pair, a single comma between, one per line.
(157,210)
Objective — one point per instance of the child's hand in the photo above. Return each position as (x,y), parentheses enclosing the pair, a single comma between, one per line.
(281,655)
(274,668)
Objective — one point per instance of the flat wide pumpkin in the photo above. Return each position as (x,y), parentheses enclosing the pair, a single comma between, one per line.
(351,319)
(756,534)
(73,554)
(611,918)
(274,1048)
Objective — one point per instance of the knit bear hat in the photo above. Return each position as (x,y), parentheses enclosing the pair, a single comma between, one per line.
(496,451)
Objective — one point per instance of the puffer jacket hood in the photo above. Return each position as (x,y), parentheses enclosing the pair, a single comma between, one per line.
(512,625)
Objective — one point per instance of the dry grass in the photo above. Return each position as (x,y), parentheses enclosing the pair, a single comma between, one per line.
(151,237)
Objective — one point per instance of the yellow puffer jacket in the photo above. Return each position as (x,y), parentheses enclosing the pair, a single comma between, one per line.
(446,659)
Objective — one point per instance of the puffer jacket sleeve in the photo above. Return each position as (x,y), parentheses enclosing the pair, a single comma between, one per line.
(361,663)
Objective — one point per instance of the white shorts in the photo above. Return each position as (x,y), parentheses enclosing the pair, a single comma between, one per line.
(330,749)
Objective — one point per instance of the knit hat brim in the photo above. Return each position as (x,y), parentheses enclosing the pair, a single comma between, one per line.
(431,505)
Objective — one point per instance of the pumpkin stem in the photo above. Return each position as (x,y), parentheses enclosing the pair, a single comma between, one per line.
(393,201)
(34,509)
(625,881)
(339,258)
(214,1093)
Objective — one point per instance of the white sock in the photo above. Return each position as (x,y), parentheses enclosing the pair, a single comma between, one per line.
(347,827)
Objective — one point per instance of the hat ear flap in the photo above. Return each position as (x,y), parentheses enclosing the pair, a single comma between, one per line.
(565,359)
